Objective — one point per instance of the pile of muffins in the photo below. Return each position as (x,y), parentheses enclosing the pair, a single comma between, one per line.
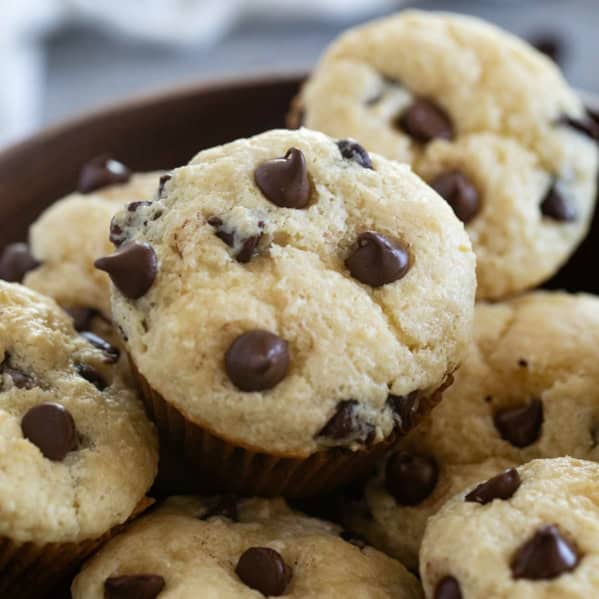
(338,315)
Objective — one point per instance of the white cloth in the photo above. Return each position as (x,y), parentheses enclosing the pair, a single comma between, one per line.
(23,24)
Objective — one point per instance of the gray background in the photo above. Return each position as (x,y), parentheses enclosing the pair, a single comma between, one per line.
(88,68)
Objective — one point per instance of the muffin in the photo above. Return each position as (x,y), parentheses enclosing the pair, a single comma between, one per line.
(488,121)
(77,453)
(65,261)
(528,388)
(291,305)
(531,532)
(219,547)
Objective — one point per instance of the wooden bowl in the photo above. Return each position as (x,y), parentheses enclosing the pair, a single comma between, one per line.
(163,131)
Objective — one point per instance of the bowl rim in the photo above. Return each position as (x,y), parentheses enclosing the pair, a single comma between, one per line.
(137,101)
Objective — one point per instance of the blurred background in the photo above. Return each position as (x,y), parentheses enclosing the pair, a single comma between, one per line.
(59,58)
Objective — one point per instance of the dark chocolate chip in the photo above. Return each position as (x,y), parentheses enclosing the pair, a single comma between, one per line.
(225,505)
(284,181)
(264,569)
(520,426)
(377,261)
(502,486)
(132,268)
(111,353)
(20,379)
(522,363)
(410,478)
(353,538)
(459,192)
(405,410)
(91,375)
(51,428)
(136,586)
(226,237)
(425,121)
(257,360)
(345,424)
(545,556)
(448,588)
(585,125)
(248,246)
(352,150)
(16,261)
(134,206)
(82,317)
(374,100)
(102,172)
(550,44)
(164,179)
(557,207)
(117,235)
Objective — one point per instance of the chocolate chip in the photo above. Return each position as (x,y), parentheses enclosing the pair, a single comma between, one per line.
(132,268)
(51,428)
(111,353)
(134,206)
(164,179)
(377,261)
(225,505)
(405,410)
(136,586)
(257,360)
(448,588)
(545,556)
(410,478)
(557,207)
(263,569)
(345,424)
(102,172)
(82,317)
(585,125)
(352,150)
(16,261)
(117,235)
(284,181)
(502,486)
(550,44)
(247,249)
(520,426)
(91,375)
(20,379)
(248,246)
(522,363)
(459,192)
(425,121)
(353,538)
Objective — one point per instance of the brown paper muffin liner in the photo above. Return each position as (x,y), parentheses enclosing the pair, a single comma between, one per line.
(221,465)
(32,571)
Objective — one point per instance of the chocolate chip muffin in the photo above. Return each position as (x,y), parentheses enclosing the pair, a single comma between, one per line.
(530,532)
(67,238)
(528,388)
(484,118)
(291,304)
(218,547)
(77,453)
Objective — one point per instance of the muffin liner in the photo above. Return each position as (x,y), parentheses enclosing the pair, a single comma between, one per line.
(220,465)
(32,571)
